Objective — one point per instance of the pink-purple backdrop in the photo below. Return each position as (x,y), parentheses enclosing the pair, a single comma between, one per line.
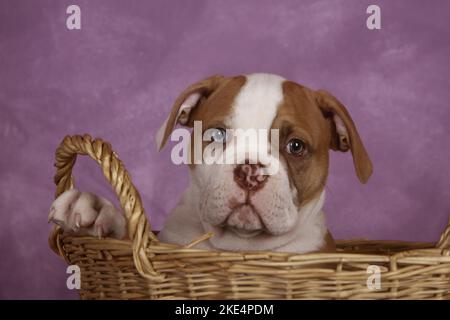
(118,76)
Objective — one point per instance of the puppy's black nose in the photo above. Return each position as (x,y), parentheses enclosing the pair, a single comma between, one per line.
(249,176)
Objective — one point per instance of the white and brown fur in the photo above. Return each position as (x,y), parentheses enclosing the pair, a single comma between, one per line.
(284,211)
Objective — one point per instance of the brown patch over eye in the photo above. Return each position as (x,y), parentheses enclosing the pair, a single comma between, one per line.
(304,141)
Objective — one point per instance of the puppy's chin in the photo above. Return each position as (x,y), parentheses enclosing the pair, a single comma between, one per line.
(245,233)
(244,220)
(233,239)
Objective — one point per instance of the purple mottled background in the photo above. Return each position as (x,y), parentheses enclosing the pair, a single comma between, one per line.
(117,77)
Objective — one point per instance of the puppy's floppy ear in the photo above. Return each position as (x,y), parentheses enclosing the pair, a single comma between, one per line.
(344,135)
(190,98)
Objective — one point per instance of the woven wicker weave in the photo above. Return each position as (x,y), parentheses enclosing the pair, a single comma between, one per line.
(144,268)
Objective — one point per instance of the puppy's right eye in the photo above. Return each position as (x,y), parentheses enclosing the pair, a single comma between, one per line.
(219,135)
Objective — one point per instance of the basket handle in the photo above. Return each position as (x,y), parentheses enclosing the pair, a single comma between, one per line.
(444,241)
(138,227)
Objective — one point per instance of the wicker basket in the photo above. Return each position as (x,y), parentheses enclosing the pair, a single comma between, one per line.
(144,268)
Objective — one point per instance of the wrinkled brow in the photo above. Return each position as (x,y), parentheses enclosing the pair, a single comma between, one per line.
(290,130)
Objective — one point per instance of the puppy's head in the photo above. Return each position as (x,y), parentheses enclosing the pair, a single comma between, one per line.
(240,202)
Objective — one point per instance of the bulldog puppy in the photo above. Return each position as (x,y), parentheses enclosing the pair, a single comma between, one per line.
(245,206)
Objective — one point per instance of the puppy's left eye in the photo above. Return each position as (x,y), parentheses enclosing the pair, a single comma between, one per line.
(219,135)
(296,147)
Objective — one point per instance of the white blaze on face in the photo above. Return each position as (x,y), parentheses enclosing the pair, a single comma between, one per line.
(256,105)
(253,112)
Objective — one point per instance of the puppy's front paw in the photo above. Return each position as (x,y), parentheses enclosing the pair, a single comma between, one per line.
(83,213)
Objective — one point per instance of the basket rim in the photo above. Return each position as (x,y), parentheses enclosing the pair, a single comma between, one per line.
(58,247)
